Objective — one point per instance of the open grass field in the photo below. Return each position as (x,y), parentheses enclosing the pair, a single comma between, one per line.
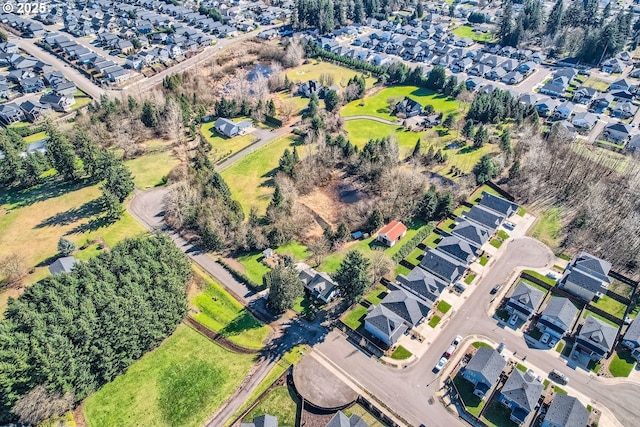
(254,269)
(81,98)
(622,364)
(221,146)
(35,137)
(548,227)
(355,318)
(219,311)
(281,402)
(464,159)
(314,68)
(250,178)
(148,170)
(611,306)
(362,130)
(180,383)
(596,83)
(377,106)
(467,31)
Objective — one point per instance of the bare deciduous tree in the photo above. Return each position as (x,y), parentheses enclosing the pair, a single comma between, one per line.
(13,268)
(319,248)
(40,404)
(381,264)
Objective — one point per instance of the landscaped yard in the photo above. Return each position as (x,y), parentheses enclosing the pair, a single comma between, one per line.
(219,311)
(413,256)
(496,243)
(355,318)
(366,416)
(611,306)
(541,277)
(304,306)
(250,179)
(281,402)
(596,83)
(182,382)
(444,307)
(362,130)
(503,234)
(533,284)
(597,316)
(81,98)
(472,402)
(378,106)
(622,364)
(467,31)
(376,294)
(548,227)
(432,239)
(296,250)
(484,260)
(447,225)
(400,353)
(469,278)
(478,344)
(254,268)
(221,146)
(434,321)
(497,415)
(475,197)
(315,68)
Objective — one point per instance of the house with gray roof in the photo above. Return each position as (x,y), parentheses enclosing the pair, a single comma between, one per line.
(472,232)
(62,265)
(557,317)
(596,338)
(406,305)
(422,284)
(458,248)
(384,324)
(262,421)
(586,277)
(442,265)
(524,301)
(341,420)
(520,394)
(483,370)
(485,217)
(230,129)
(11,113)
(631,338)
(319,285)
(566,411)
(498,204)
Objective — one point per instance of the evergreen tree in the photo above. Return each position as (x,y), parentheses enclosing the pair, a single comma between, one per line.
(353,276)
(287,162)
(506,24)
(61,154)
(445,205)
(358,12)
(416,149)
(149,118)
(437,78)
(481,137)
(271,108)
(554,22)
(468,130)
(342,233)
(448,121)
(331,100)
(428,205)
(485,169)
(66,247)
(419,10)
(284,288)
(119,182)
(450,86)
(375,221)
(505,142)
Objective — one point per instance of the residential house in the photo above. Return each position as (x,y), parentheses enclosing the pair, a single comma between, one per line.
(230,129)
(479,70)
(391,233)
(11,113)
(634,144)
(624,110)
(617,132)
(384,324)
(442,265)
(341,420)
(458,248)
(546,106)
(584,120)
(524,301)
(423,284)
(558,316)
(262,421)
(62,265)
(595,339)
(64,87)
(563,111)
(483,370)
(498,204)
(520,393)
(33,110)
(584,95)
(4,90)
(586,277)
(613,65)
(528,99)
(565,411)
(527,67)
(309,88)
(474,83)
(622,84)
(411,308)
(512,78)
(621,95)
(601,102)
(319,285)
(58,102)
(462,65)
(631,338)
(134,62)
(496,73)
(485,217)
(32,85)
(472,232)
(407,107)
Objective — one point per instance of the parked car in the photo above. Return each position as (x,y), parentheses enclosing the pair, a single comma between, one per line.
(457,340)
(495,289)
(500,347)
(544,339)
(552,342)
(440,364)
(459,287)
(509,225)
(450,351)
(552,275)
(513,319)
(558,376)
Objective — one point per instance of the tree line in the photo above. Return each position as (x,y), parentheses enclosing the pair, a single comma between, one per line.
(69,334)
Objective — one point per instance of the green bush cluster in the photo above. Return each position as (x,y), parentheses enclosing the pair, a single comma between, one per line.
(408,247)
(239,276)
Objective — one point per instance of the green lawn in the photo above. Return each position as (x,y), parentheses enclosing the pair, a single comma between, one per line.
(478,344)
(413,256)
(401,269)
(541,277)
(520,367)
(534,285)
(401,353)
(35,137)
(467,31)
(366,416)
(484,260)
(521,211)
(362,130)
(376,294)
(355,318)
(377,105)
(475,197)
(444,307)
(81,98)
(281,402)
(594,366)
(548,227)
(496,243)
(304,306)
(434,321)
(469,278)
(432,239)
(622,364)
(148,170)
(496,415)
(254,268)
(447,225)
(221,146)
(559,390)
(296,250)
(315,68)
(503,235)
(250,179)
(221,312)
(472,402)
(182,382)
(611,306)
(621,288)
(597,316)
(464,159)
(560,346)
(596,83)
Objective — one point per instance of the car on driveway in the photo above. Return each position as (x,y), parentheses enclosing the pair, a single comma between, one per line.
(495,289)
(440,364)
(513,319)
(544,339)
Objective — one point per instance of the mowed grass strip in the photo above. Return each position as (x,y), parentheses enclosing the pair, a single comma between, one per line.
(250,179)
(362,130)
(377,105)
(148,170)
(181,383)
(315,68)
(221,312)
(281,402)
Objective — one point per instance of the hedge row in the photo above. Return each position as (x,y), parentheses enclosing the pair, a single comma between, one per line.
(239,276)
(408,247)
(26,130)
